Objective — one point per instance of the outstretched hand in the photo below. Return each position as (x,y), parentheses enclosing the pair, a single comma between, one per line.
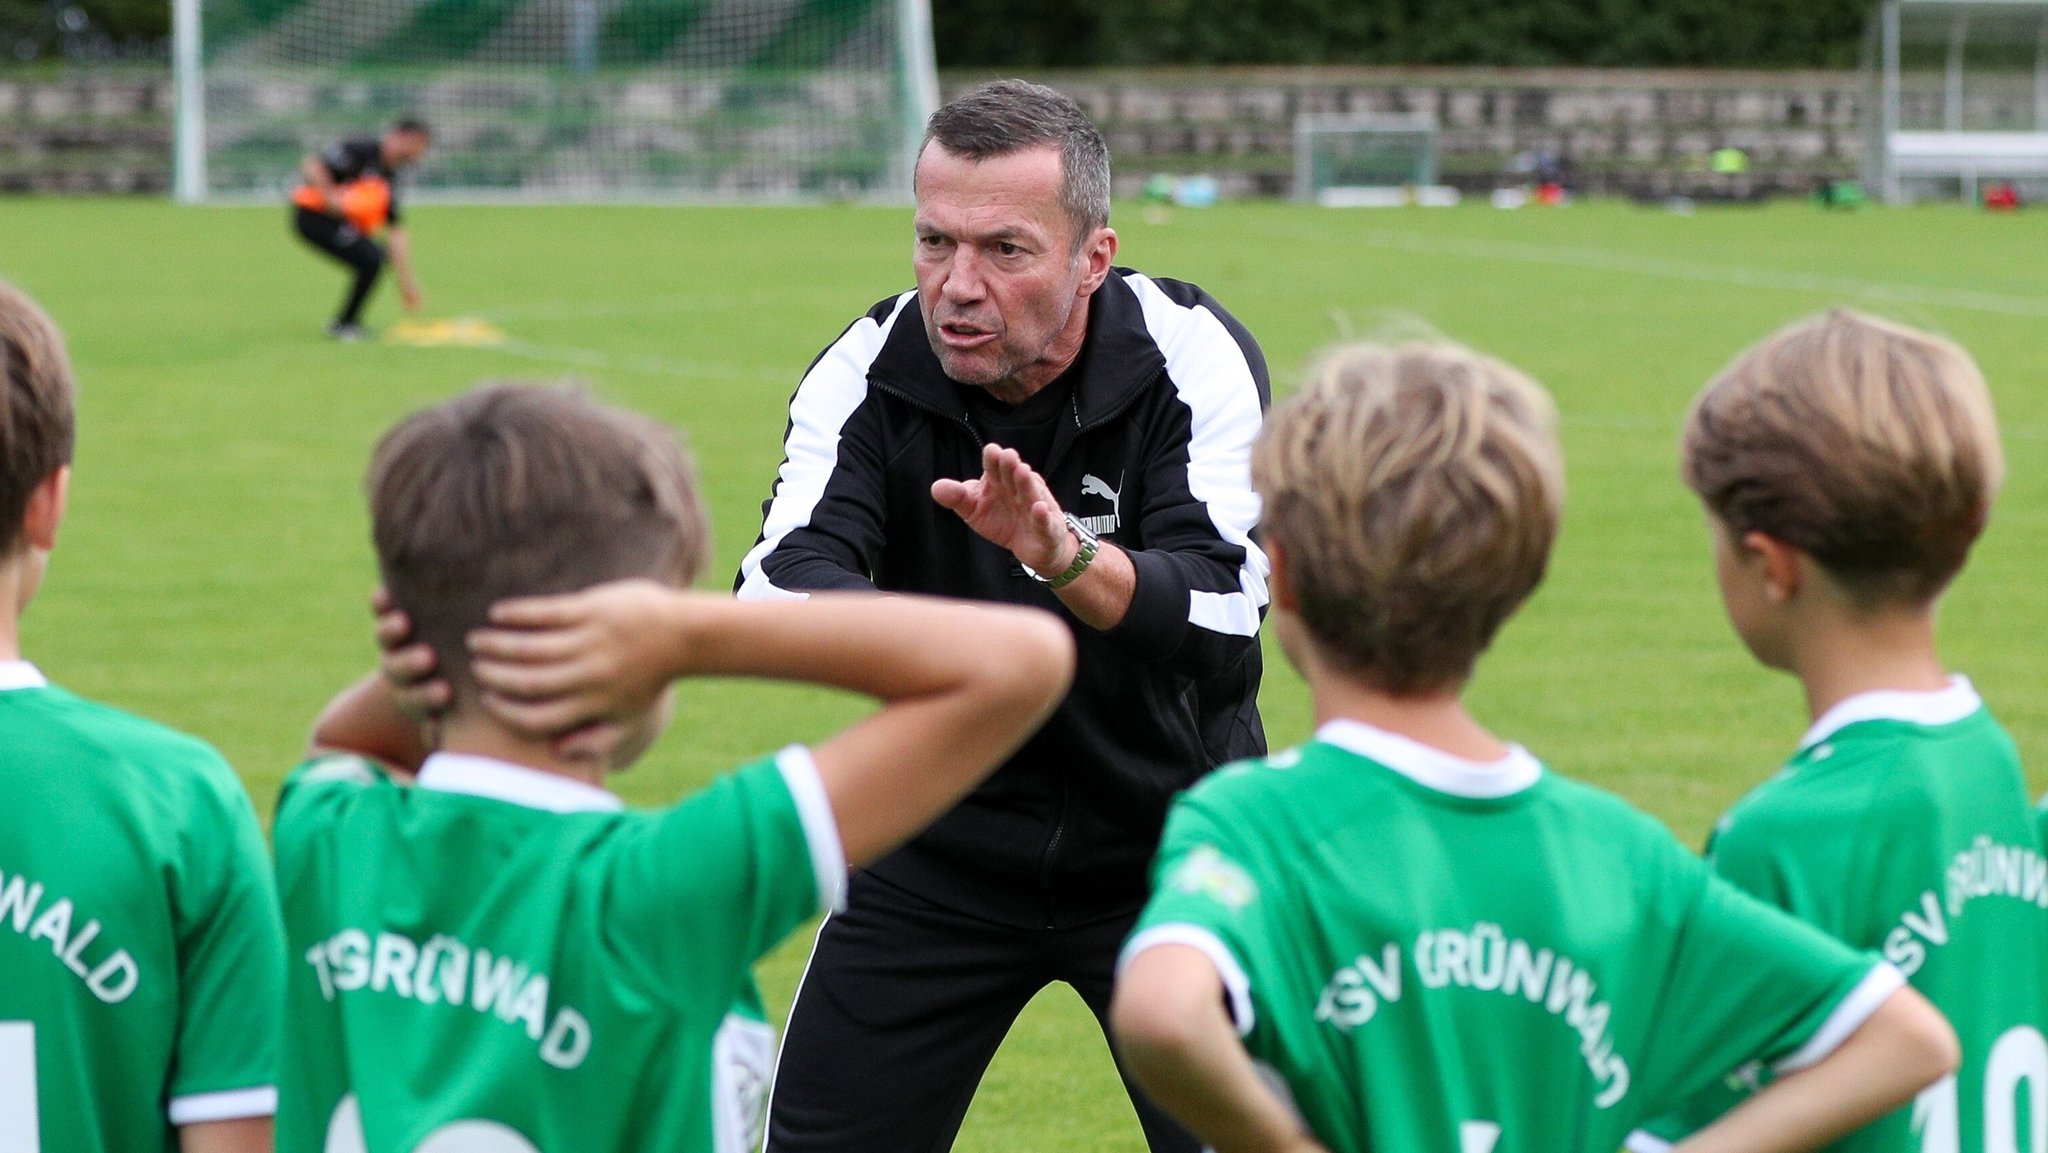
(578,663)
(1010,505)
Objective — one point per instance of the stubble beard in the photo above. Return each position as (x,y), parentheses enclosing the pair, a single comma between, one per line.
(976,369)
(1005,368)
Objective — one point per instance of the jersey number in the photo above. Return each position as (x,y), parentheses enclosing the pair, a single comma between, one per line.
(345,1135)
(1477,1136)
(2020,1055)
(20,1128)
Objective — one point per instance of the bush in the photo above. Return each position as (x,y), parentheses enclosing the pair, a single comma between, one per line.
(1632,33)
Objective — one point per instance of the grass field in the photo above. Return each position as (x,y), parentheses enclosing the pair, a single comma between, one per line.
(215,568)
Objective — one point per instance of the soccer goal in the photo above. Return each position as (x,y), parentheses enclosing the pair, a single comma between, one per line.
(562,100)
(1366,160)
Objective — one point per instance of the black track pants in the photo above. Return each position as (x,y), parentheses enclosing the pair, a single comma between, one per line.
(339,239)
(902,1006)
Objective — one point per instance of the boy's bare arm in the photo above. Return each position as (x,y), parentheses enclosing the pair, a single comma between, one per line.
(243,1135)
(1905,1046)
(401,263)
(367,720)
(1178,1043)
(962,685)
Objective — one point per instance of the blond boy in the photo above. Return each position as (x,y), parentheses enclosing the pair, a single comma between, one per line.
(1846,465)
(1428,940)
(501,959)
(140,957)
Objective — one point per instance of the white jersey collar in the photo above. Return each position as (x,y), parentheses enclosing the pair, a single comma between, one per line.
(1938,707)
(19,674)
(1434,768)
(504,781)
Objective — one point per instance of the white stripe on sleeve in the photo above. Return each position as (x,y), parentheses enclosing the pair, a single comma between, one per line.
(1235,981)
(824,402)
(821,829)
(1876,987)
(1214,379)
(1643,1141)
(227,1105)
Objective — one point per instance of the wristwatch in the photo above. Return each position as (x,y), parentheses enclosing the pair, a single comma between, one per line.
(1090,545)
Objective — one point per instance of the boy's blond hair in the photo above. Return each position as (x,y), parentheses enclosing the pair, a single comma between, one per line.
(37,424)
(1866,444)
(1416,492)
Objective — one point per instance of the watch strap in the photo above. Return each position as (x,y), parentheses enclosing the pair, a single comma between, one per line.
(1083,557)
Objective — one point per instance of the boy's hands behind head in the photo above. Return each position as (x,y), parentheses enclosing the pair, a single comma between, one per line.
(409,667)
(574,666)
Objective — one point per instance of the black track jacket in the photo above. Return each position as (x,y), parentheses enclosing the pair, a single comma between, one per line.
(1169,391)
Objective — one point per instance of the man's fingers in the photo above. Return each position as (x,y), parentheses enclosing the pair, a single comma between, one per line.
(958,495)
(1001,478)
(1017,477)
(1023,482)
(1030,486)
(380,600)
(522,647)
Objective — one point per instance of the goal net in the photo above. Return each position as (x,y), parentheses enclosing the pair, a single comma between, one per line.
(563,99)
(1347,159)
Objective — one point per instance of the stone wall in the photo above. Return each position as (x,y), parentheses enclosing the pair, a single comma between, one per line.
(86,132)
(1645,132)
(1619,131)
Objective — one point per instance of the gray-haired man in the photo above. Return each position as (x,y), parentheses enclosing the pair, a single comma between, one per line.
(1032,425)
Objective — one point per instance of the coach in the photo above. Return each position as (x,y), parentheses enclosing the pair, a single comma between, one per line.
(1035,426)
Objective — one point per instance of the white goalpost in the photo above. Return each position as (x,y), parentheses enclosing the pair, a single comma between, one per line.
(562,100)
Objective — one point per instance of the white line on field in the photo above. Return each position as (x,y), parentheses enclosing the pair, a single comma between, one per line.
(1605,260)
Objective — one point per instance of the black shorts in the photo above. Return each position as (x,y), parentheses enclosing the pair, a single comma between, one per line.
(338,238)
(901,1008)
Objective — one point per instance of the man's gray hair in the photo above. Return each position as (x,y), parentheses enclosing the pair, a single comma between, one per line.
(1003,117)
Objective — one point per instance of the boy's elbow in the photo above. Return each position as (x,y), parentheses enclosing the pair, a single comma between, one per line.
(1144,1023)
(330,730)
(1038,658)
(1934,1042)
(1919,1037)
(1154,1017)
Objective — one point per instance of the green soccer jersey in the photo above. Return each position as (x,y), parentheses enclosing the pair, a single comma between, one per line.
(1437,956)
(1902,825)
(141,962)
(499,960)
